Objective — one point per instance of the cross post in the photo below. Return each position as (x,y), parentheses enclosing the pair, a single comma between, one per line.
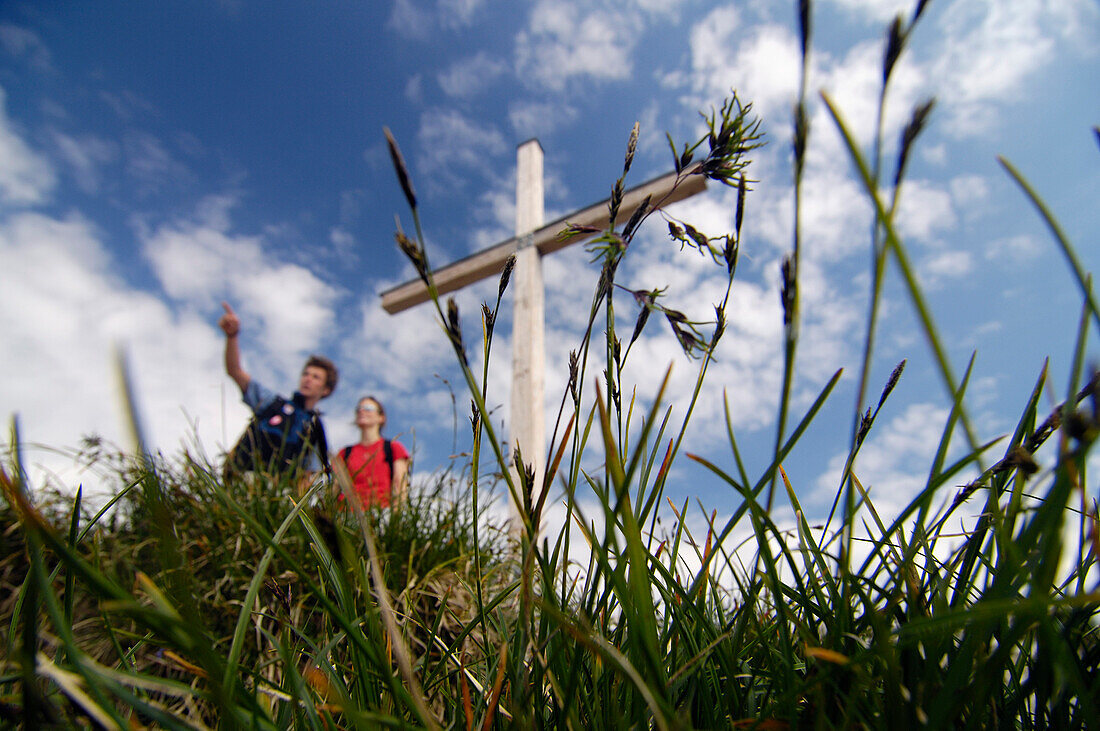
(528,424)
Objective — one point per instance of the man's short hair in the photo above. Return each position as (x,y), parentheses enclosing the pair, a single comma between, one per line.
(331,374)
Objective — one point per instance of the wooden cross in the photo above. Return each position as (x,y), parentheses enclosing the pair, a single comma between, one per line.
(533,240)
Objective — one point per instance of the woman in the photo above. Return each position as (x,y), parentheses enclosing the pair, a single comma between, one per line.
(378,467)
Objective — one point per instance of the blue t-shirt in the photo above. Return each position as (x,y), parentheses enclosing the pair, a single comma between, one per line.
(258,398)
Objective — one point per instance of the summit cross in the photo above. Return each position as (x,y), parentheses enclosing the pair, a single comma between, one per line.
(533,240)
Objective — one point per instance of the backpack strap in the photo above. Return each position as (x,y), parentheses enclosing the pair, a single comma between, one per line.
(387,450)
(346,452)
(275,407)
(317,436)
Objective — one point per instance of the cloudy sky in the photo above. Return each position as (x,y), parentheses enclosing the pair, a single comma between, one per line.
(158,158)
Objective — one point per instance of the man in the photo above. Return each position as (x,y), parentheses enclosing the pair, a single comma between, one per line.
(285,436)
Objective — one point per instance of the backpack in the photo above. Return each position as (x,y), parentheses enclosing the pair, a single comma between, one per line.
(276,439)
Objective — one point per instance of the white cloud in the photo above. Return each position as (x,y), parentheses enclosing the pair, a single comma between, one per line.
(200,263)
(833,312)
(472,75)
(935,154)
(589,39)
(946,265)
(570,281)
(151,164)
(344,242)
(988,51)
(448,140)
(62,310)
(194,263)
(22,43)
(565,40)
(409,19)
(1019,248)
(969,192)
(535,119)
(762,64)
(925,209)
(414,89)
(835,217)
(26,177)
(875,11)
(976,54)
(127,105)
(85,156)
(495,214)
(293,303)
(420,20)
(458,13)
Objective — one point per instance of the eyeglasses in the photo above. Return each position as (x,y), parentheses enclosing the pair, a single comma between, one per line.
(368,407)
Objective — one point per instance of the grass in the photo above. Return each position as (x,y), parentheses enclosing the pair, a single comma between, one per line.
(209,603)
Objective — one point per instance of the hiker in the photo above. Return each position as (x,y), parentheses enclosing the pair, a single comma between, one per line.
(284,435)
(378,467)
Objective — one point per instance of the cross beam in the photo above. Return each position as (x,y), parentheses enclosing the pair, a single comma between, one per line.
(490,262)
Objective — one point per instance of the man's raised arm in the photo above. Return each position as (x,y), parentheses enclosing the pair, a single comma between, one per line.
(231,326)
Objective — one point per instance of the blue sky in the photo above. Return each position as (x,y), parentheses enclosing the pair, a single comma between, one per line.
(157,158)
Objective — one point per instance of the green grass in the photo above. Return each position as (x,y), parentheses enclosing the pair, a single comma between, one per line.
(204,603)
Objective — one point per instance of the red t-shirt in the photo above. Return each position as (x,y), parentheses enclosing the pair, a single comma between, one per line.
(369,472)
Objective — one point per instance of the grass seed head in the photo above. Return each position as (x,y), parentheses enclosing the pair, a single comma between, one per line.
(790,289)
(607,276)
(615,201)
(686,338)
(636,218)
(719,325)
(804,28)
(739,214)
(639,325)
(454,328)
(730,253)
(506,275)
(414,253)
(865,421)
(909,135)
(675,155)
(631,148)
(526,473)
(1022,460)
(573,229)
(400,168)
(801,135)
(573,361)
(490,320)
(891,382)
(895,41)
